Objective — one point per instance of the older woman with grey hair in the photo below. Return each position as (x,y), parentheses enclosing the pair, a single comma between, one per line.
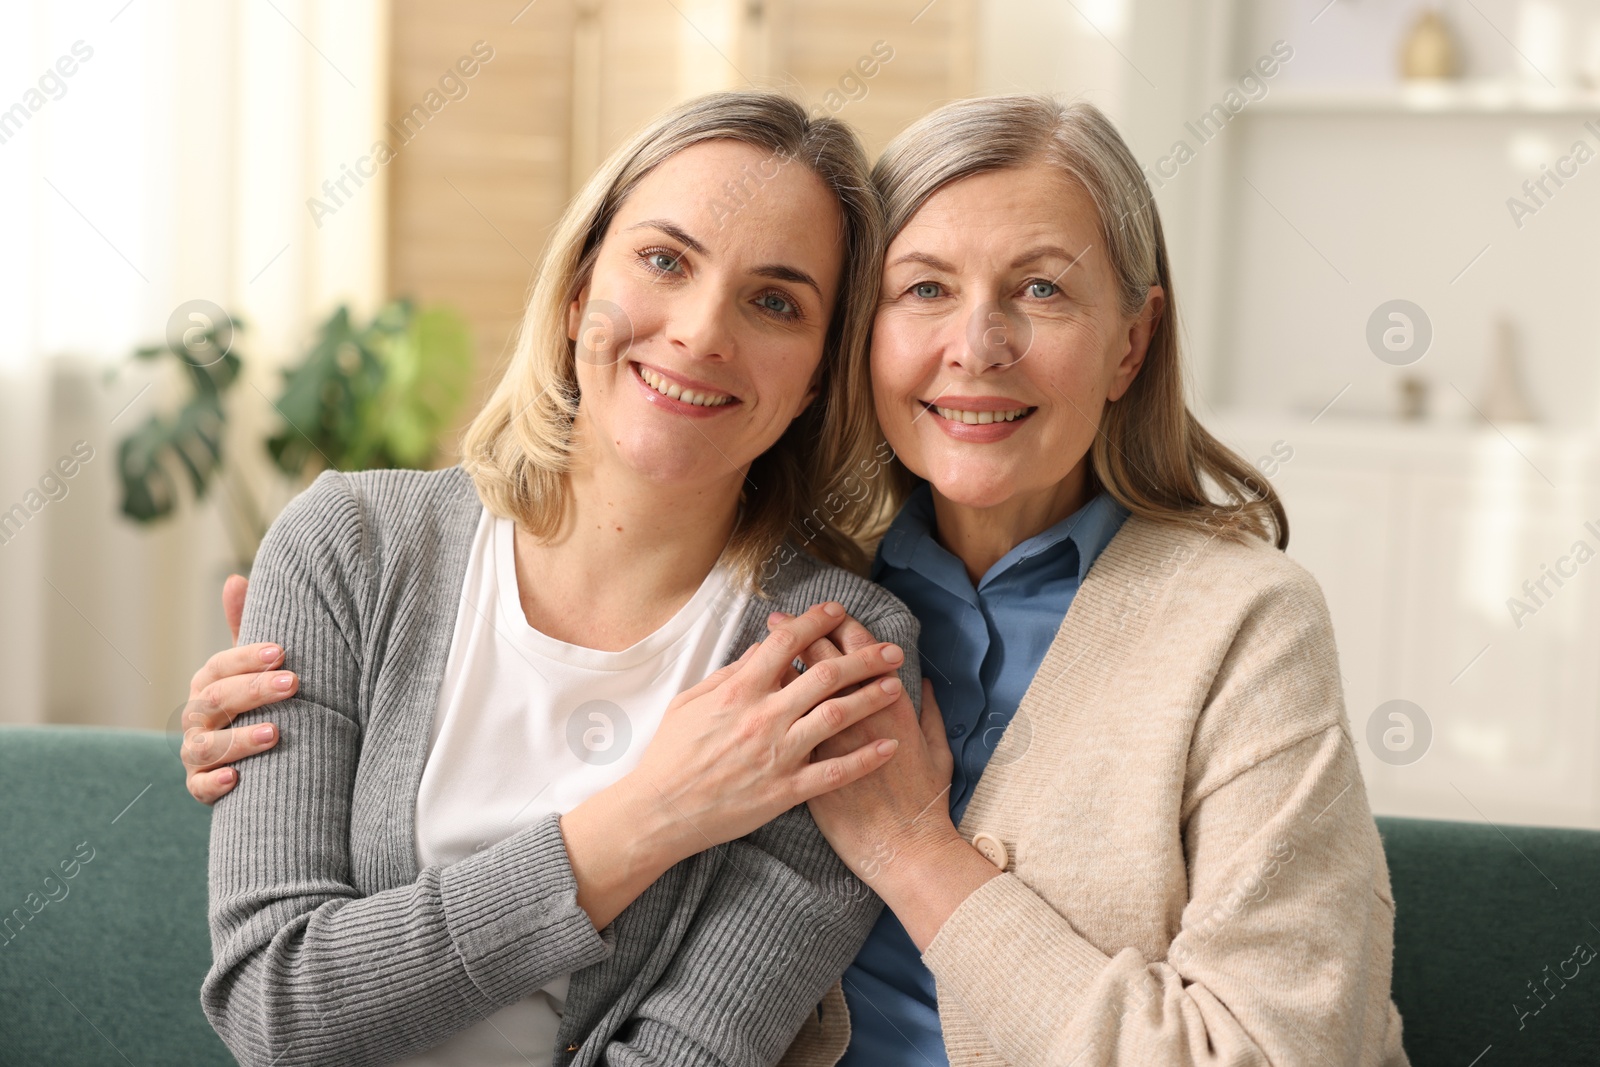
(1131,829)
(1138,834)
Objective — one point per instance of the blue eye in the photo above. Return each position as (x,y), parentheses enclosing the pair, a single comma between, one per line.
(776,304)
(1040,290)
(663,261)
(926,290)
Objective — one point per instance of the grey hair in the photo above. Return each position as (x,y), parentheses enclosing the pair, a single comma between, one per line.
(1151,454)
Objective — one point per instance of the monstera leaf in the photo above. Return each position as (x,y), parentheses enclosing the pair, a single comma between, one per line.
(323,398)
(189,441)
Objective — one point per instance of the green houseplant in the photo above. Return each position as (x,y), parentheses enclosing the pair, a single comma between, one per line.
(365,396)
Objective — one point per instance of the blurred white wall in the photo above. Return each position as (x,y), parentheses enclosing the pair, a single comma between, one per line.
(1342,189)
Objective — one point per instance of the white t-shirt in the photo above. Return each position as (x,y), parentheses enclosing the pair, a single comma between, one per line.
(527,725)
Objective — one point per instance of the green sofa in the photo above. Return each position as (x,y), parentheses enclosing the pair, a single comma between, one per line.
(103,883)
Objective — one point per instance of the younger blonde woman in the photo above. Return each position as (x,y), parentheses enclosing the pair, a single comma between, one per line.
(512,820)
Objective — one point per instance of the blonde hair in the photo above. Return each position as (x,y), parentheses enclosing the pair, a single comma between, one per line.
(519,448)
(1151,454)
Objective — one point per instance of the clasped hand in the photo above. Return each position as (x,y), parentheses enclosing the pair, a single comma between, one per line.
(902,808)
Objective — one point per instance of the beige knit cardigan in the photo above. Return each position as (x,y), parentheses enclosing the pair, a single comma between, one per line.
(1192,873)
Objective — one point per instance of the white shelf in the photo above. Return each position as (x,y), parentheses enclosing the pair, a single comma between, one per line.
(1430,98)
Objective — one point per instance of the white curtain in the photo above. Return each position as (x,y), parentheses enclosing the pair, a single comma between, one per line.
(154,152)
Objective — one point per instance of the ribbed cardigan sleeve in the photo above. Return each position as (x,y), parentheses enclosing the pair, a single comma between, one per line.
(305,968)
(782,921)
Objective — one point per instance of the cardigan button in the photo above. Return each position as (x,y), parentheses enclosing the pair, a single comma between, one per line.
(992,849)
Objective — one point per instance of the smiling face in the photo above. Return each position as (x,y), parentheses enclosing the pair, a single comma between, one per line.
(1000,337)
(700,332)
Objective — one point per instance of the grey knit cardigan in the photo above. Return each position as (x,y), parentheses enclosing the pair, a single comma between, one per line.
(330,946)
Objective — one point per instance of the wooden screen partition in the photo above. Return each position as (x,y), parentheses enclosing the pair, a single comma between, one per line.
(500,109)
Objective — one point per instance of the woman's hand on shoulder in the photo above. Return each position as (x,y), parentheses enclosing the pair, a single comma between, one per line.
(233,681)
